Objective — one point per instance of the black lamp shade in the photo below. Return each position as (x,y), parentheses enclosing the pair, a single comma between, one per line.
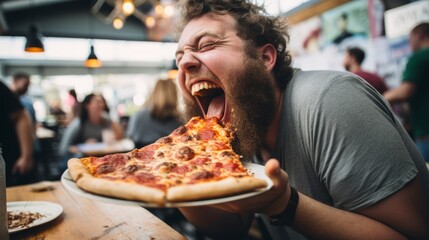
(34,42)
(172,72)
(92,61)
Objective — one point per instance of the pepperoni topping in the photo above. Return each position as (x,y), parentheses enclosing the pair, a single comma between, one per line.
(231,166)
(160,155)
(218,165)
(180,169)
(145,155)
(104,169)
(117,160)
(166,167)
(144,177)
(200,161)
(185,153)
(132,168)
(217,146)
(185,138)
(217,172)
(165,140)
(206,134)
(180,130)
(202,175)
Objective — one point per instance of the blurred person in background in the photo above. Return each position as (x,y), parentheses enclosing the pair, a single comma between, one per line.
(87,128)
(19,86)
(56,111)
(352,62)
(75,105)
(159,116)
(16,137)
(415,87)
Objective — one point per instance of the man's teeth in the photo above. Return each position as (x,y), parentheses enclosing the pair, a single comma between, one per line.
(202,85)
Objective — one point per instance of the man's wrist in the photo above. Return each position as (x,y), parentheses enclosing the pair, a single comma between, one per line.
(287,216)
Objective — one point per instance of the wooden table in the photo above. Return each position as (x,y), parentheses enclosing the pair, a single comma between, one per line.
(102,149)
(87,219)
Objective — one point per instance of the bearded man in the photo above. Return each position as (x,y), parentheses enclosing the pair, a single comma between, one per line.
(341,164)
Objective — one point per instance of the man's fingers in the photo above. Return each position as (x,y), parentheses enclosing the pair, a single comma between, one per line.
(274,172)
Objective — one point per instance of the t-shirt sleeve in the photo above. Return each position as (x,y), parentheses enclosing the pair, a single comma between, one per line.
(414,70)
(9,101)
(357,151)
(69,137)
(132,127)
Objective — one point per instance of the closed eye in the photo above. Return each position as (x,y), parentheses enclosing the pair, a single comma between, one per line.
(207,46)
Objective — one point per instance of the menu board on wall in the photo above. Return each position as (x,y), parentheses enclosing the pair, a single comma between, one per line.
(347,21)
(399,21)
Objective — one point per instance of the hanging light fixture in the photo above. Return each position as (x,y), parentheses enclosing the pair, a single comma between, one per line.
(34,43)
(150,21)
(172,72)
(92,61)
(118,23)
(128,7)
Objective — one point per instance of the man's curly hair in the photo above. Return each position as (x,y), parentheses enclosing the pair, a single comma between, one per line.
(253,25)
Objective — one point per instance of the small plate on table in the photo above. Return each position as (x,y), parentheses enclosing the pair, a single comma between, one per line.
(256,169)
(40,213)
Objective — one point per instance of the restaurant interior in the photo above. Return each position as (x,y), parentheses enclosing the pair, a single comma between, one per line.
(121,48)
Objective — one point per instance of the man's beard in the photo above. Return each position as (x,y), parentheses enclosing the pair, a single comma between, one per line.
(251,98)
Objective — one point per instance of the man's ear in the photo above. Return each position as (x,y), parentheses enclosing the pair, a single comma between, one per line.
(269,55)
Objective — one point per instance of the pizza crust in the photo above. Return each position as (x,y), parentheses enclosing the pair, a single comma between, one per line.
(123,190)
(215,189)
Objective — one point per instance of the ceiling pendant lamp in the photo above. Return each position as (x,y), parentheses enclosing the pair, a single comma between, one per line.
(118,23)
(34,43)
(92,61)
(173,71)
(128,7)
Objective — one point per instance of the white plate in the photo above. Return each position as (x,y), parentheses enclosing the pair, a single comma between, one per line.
(91,147)
(258,170)
(48,209)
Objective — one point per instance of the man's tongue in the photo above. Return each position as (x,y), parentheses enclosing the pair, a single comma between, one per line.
(216,107)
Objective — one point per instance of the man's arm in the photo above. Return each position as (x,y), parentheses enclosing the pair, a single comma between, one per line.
(402,215)
(401,93)
(24,132)
(406,210)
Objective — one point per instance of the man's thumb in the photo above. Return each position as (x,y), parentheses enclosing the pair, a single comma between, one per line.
(274,172)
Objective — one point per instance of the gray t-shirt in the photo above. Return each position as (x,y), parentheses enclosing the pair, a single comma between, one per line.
(75,133)
(144,129)
(341,144)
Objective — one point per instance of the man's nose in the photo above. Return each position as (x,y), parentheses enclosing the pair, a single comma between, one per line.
(189,62)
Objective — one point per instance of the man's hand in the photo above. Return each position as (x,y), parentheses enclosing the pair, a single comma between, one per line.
(272,202)
(23,166)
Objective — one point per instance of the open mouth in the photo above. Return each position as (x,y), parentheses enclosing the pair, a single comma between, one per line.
(211,99)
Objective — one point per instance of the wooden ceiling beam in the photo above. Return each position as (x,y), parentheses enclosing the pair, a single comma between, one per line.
(314,10)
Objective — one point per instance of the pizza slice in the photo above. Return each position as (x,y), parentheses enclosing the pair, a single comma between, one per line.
(194,162)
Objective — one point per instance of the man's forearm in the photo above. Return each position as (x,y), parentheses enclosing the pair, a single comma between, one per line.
(217,223)
(320,221)
(401,93)
(25,134)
